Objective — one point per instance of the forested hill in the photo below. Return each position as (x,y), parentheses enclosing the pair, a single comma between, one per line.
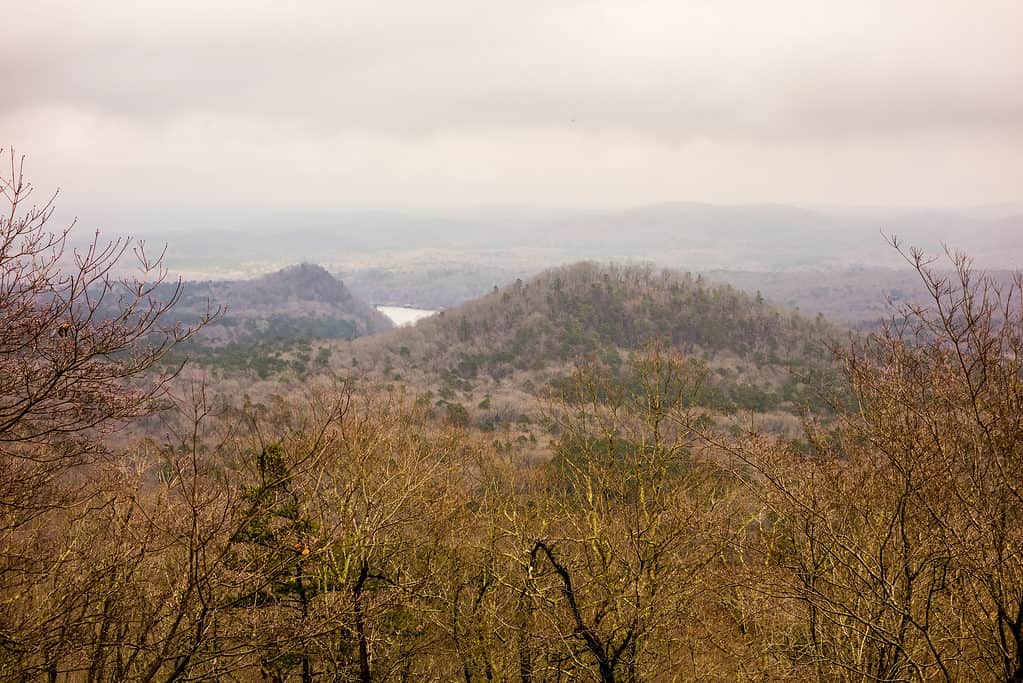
(299,302)
(586,308)
(531,332)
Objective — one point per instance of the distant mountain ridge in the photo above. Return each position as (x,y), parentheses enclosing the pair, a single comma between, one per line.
(301,301)
(694,236)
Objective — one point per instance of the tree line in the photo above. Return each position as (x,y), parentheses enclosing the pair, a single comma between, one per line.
(343,535)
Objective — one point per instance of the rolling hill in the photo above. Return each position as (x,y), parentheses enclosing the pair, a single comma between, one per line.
(267,323)
(299,302)
(494,355)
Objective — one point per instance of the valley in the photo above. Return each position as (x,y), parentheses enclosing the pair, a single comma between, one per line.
(535,342)
(594,471)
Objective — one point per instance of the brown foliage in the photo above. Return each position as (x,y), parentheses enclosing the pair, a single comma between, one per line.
(891,550)
(340,534)
(77,340)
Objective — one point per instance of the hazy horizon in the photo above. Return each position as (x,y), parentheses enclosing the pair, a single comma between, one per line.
(323,106)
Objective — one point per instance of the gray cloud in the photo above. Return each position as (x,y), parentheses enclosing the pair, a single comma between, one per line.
(448,101)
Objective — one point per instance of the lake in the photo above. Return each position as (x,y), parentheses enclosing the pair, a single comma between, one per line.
(405,315)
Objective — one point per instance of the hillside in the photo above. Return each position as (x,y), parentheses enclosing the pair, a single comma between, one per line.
(267,320)
(432,287)
(490,361)
(855,297)
(299,302)
(587,308)
(860,298)
(495,355)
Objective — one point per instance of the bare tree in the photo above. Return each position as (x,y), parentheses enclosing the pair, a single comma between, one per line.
(77,340)
(890,546)
(81,345)
(616,569)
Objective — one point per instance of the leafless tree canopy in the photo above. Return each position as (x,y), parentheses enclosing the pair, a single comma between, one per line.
(342,532)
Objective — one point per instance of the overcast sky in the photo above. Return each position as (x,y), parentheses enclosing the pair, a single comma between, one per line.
(573,103)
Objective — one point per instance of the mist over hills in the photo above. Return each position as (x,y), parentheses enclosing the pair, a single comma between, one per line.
(779,238)
(832,261)
(691,236)
(860,297)
(432,287)
(753,328)
(762,337)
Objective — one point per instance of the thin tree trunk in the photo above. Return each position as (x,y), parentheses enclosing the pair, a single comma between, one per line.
(360,624)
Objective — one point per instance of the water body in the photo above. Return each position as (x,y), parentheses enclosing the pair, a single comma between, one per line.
(405,315)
